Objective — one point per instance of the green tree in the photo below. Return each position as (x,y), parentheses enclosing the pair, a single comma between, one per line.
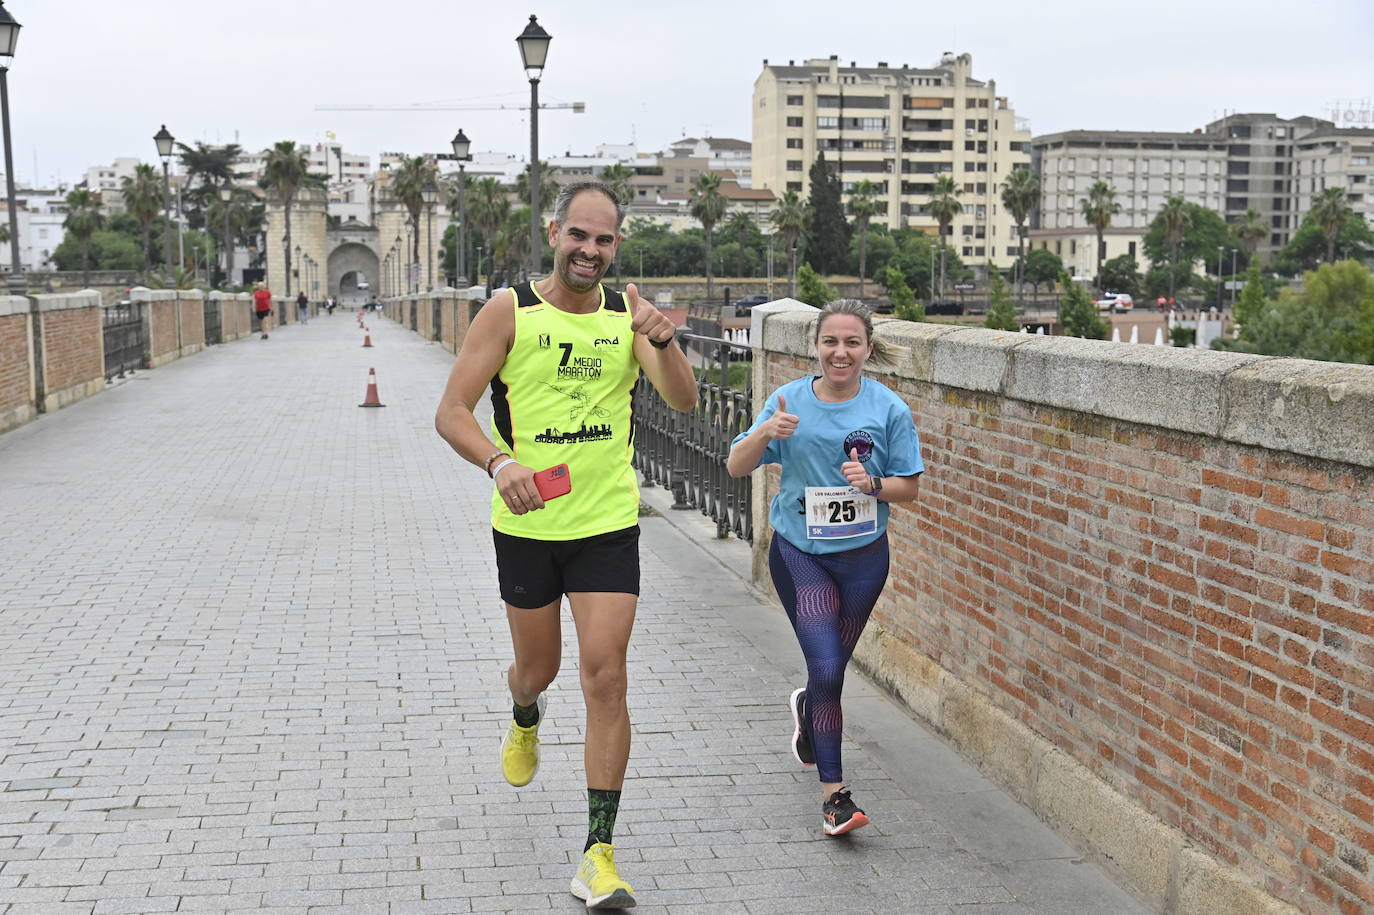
(1098,209)
(1121,274)
(1250,230)
(106,249)
(1329,212)
(284,173)
(142,193)
(1307,249)
(1021,196)
(83,220)
(1173,221)
(829,234)
(617,177)
(206,168)
(548,188)
(707,206)
(408,182)
(811,288)
(863,204)
(791,218)
(741,226)
(1252,299)
(1078,315)
(904,304)
(513,240)
(1331,319)
(488,206)
(1001,306)
(943,205)
(1041,267)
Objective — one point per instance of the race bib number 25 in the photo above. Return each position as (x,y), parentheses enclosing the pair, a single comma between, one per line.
(835,513)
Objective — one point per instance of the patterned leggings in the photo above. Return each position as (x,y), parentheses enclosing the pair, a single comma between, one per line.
(828,599)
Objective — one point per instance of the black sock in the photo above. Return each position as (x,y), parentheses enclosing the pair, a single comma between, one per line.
(527,716)
(602,806)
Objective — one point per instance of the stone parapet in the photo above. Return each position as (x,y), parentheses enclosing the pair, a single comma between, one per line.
(72,348)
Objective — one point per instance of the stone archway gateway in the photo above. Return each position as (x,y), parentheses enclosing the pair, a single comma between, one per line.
(353,271)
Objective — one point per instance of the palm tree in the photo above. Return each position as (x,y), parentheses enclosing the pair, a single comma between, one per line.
(488,207)
(944,206)
(548,187)
(617,177)
(1098,209)
(863,204)
(284,173)
(1175,218)
(1021,195)
(740,224)
(1250,231)
(206,168)
(791,218)
(513,239)
(407,185)
(1330,211)
(83,220)
(707,205)
(142,193)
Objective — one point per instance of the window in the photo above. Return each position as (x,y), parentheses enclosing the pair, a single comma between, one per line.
(968,251)
(968,166)
(1058,246)
(794,100)
(982,188)
(970,145)
(827,123)
(979,251)
(794,122)
(794,165)
(968,187)
(1073,247)
(967,230)
(970,123)
(794,143)
(1130,249)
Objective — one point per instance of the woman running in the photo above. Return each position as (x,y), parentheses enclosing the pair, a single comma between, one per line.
(848,446)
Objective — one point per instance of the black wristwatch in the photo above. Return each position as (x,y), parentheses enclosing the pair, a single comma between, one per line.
(659,344)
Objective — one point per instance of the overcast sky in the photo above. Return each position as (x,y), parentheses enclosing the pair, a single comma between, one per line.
(93,80)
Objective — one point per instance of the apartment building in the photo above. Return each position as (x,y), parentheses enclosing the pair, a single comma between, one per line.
(900,128)
(107,181)
(329,159)
(721,153)
(1145,168)
(1334,157)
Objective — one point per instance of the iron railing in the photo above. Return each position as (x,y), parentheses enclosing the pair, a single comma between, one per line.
(213,331)
(437,319)
(124,343)
(686,452)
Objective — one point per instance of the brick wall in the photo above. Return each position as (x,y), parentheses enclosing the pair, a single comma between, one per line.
(16,379)
(1159,563)
(73,347)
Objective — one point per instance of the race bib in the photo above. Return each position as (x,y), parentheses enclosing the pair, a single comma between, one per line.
(837,512)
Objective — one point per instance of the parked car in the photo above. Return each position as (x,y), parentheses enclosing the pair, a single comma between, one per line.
(743,305)
(1115,301)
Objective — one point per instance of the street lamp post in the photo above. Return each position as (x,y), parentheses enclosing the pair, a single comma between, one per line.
(534,49)
(402,264)
(1220,267)
(164,141)
(1233,279)
(9,37)
(226,194)
(461,147)
(430,194)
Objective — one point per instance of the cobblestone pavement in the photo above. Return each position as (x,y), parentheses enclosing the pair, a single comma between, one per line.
(252,655)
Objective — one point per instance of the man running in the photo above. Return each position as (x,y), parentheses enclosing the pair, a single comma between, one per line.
(262,307)
(561,357)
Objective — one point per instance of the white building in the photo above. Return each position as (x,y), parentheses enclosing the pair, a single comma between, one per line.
(108,180)
(40,214)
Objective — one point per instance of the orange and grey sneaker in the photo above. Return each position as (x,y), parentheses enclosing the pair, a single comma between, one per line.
(598,883)
(840,815)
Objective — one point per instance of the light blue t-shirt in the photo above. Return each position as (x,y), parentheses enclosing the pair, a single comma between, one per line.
(875,421)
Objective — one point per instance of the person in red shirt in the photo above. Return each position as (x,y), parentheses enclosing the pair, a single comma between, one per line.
(262,307)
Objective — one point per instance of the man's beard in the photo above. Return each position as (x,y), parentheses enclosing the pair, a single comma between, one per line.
(580,283)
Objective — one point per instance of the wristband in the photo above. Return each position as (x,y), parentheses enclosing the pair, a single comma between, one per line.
(486,465)
(877,485)
(657,344)
(502,466)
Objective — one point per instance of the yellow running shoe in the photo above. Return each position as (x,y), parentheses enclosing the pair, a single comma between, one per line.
(597,882)
(520,750)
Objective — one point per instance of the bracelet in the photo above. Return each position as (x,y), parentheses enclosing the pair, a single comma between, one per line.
(656,344)
(502,466)
(486,465)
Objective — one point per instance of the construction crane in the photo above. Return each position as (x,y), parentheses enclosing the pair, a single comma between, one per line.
(577,107)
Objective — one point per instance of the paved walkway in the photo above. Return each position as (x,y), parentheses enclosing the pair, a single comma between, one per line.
(251,658)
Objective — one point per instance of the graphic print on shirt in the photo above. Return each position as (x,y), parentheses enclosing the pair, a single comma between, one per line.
(572,370)
(859,441)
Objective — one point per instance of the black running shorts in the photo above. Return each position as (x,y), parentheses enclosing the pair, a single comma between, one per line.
(535,573)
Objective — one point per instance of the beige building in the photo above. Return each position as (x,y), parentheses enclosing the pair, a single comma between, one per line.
(1335,157)
(900,128)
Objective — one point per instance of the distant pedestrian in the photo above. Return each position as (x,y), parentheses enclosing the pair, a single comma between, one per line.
(303,307)
(329,305)
(847,446)
(262,307)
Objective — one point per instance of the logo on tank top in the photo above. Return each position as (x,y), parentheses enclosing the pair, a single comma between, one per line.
(544,341)
(859,441)
(580,409)
(570,366)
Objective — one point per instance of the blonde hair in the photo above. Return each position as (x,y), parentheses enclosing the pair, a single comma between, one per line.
(885,355)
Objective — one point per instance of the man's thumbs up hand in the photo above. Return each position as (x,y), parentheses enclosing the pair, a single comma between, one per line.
(647,319)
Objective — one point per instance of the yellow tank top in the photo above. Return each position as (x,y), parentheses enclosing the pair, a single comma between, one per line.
(564,395)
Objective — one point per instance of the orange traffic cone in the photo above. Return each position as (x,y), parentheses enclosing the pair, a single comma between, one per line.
(371,400)
(367,339)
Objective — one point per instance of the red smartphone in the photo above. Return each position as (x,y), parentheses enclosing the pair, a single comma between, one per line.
(554,482)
